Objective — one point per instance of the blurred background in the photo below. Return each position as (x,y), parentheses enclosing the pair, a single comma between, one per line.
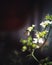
(15,17)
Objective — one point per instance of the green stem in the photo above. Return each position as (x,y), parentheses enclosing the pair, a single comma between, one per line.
(34,56)
(28,55)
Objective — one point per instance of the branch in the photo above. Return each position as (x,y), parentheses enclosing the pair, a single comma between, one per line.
(45,39)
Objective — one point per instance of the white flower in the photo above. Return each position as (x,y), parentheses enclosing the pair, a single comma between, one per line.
(45,23)
(35,40)
(50,22)
(37,34)
(33,25)
(41,40)
(30,29)
(37,46)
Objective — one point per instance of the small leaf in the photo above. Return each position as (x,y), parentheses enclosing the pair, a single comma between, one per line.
(48,17)
(29,44)
(33,45)
(29,39)
(49,63)
(45,64)
(23,41)
(24,48)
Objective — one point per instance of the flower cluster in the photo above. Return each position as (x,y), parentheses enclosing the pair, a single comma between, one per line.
(39,39)
(45,23)
(32,43)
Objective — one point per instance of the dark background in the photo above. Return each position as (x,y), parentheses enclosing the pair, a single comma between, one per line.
(15,13)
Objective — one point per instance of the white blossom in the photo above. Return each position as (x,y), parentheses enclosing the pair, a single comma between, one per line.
(37,46)
(41,40)
(45,23)
(30,29)
(33,25)
(50,22)
(35,40)
(37,34)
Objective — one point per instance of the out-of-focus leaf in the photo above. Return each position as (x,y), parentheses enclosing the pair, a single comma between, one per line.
(34,45)
(29,39)
(24,48)
(48,17)
(49,63)
(45,64)
(29,44)
(23,41)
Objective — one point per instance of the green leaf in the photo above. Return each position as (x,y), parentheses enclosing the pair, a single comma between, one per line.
(34,45)
(23,41)
(48,17)
(24,48)
(49,63)
(45,64)
(29,44)
(29,39)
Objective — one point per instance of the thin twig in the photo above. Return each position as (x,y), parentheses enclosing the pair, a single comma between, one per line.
(35,57)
